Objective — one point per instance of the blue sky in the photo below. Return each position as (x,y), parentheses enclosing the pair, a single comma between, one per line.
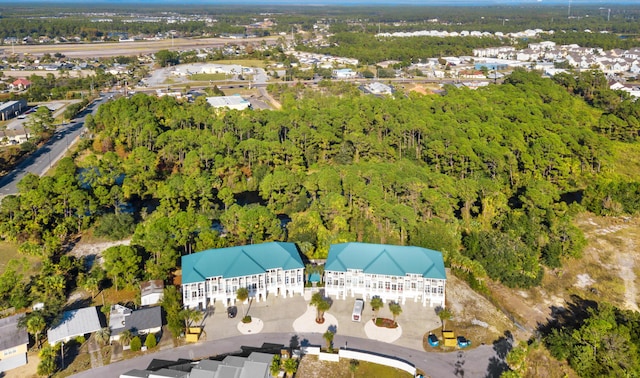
(344,2)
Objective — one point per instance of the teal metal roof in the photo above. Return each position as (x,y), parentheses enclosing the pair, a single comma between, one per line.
(239,261)
(385,259)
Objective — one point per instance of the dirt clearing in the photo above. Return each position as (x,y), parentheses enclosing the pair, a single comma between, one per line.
(607,272)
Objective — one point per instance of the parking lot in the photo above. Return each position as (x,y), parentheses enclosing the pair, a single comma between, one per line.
(278,314)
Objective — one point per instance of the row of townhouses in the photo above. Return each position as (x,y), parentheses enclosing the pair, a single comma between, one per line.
(608,61)
(394,273)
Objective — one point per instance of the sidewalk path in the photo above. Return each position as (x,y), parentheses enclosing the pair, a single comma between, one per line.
(307,322)
(387,335)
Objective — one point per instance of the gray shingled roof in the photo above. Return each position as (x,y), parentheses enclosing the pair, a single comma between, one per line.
(140,320)
(10,335)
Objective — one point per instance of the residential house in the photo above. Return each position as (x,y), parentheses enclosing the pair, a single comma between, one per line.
(394,273)
(345,73)
(74,323)
(20,84)
(264,269)
(256,365)
(144,321)
(151,292)
(13,344)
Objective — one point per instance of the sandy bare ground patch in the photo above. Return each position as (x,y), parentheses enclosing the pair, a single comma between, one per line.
(72,73)
(94,50)
(473,315)
(606,272)
(93,250)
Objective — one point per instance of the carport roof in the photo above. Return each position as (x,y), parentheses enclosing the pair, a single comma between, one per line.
(385,259)
(240,261)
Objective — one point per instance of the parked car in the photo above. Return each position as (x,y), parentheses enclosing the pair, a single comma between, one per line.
(232,311)
(433,340)
(463,342)
(358,306)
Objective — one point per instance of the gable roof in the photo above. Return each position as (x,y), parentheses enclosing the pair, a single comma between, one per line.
(240,261)
(75,323)
(151,287)
(10,334)
(141,320)
(21,81)
(384,259)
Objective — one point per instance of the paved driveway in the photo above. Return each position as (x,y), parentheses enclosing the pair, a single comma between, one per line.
(278,315)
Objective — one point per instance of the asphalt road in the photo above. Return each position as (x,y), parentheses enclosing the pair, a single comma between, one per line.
(483,361)
(46,156)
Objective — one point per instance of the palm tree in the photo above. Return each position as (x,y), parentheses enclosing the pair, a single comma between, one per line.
(47,365)
(290,366)
(322,308)
(275,365)
(321,305)
(328,337)
(395,309)
(102,335)
(242,294)
(190,315)
(35,325)
(125,337)
(376,305)
(353,366)
(445,314)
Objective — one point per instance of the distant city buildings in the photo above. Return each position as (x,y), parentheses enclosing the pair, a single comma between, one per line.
(230,102)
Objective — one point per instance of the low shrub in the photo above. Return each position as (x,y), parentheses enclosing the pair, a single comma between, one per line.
(136,344)
(151,341)
(386,323)
(115,226)
(246,319)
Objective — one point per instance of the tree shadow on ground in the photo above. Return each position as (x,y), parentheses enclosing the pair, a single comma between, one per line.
(572,316)
(497,363)
(294,342)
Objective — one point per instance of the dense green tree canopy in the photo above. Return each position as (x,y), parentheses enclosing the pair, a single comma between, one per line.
(468,172)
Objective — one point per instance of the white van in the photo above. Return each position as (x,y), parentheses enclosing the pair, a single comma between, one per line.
(358,306)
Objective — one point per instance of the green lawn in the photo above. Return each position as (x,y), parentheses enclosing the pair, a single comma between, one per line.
(9,251)
(243,62)
(310,366)
(626,159)
(209,77)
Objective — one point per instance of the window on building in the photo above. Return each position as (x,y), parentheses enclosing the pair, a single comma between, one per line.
(387,286)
